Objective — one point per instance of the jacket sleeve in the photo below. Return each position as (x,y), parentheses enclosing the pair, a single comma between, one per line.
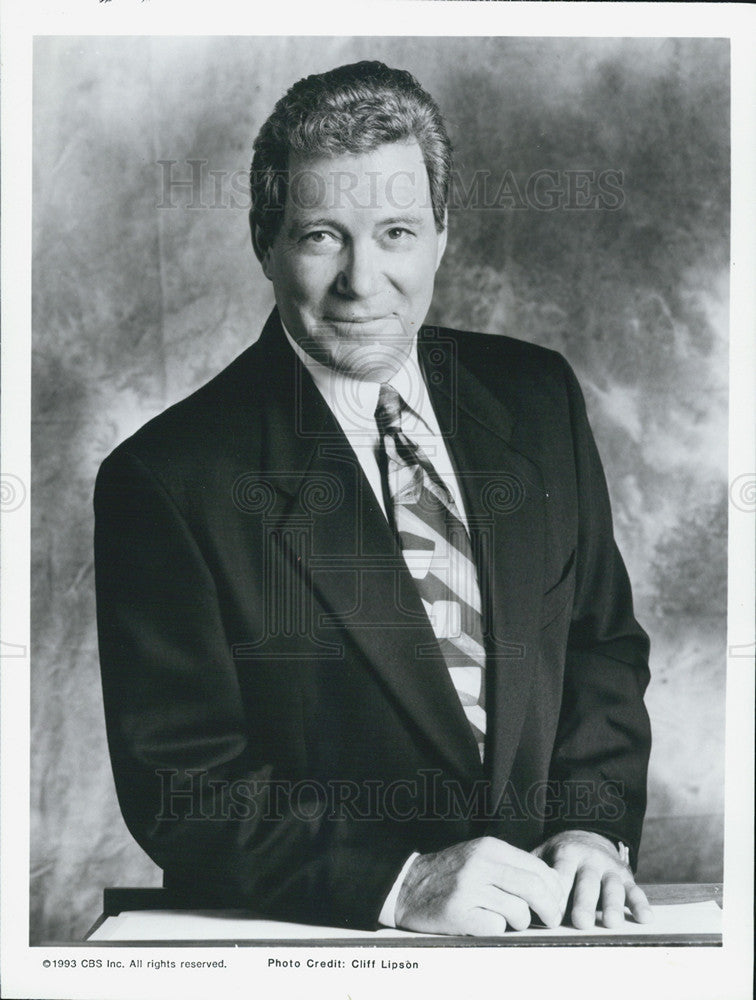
(603,739)
(197,791)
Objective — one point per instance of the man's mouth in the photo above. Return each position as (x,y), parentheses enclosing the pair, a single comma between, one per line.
(355,319)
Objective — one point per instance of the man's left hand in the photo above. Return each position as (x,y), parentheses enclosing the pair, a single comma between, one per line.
(596,877)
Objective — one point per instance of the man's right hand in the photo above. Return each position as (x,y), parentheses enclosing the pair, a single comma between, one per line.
(479,887)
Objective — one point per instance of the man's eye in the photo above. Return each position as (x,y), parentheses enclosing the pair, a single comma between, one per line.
(318,236)
(398,233)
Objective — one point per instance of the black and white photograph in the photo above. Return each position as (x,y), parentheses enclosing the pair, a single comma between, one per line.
(381,471)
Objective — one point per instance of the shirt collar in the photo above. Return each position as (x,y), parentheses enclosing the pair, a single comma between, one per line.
(353,401)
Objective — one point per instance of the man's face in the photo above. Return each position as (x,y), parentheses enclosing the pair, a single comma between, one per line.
(354,261)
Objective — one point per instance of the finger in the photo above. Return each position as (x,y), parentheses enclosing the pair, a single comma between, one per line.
(533,893)
(500,852)
(517,858)
(638,903)
(612,900)
(559,884)
(512,908)
(482,922)
(566,871)
(585,897)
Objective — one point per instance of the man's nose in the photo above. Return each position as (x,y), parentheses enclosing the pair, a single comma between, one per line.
(359,275)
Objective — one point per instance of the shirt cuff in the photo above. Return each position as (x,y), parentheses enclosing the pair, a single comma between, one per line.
(388,912)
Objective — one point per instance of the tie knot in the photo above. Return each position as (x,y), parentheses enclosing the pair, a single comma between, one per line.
(388,412)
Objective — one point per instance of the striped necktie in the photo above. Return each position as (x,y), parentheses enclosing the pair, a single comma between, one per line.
(437,550)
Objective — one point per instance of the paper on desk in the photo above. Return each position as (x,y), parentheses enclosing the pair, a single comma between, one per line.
(174,925)
(679,918)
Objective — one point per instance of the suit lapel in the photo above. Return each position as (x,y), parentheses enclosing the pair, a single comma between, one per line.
(354,565)
(504,497)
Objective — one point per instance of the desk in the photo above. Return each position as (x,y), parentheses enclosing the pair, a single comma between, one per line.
(151,917)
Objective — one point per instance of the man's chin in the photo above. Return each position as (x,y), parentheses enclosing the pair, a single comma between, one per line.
(372,350)
(375,361)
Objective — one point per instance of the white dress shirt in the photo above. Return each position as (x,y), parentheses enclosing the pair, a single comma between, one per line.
(353,403)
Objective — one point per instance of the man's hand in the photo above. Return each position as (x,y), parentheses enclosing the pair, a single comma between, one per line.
(591,868)
(479,887)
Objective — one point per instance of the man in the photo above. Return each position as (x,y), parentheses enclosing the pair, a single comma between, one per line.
(367,645)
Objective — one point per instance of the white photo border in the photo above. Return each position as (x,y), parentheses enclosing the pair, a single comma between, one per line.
(671,973)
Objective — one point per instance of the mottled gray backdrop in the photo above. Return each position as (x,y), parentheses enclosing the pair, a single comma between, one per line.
(144,288)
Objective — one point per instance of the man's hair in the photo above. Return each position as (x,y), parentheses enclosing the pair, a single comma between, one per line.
(350,109)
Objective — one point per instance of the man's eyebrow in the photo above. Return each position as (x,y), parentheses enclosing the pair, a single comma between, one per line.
(297,224)
(300,223)
(406,220)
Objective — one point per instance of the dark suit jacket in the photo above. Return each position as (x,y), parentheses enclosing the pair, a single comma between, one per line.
(282,726)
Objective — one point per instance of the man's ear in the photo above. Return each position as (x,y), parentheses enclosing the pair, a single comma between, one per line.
(258,245)
(442,239)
